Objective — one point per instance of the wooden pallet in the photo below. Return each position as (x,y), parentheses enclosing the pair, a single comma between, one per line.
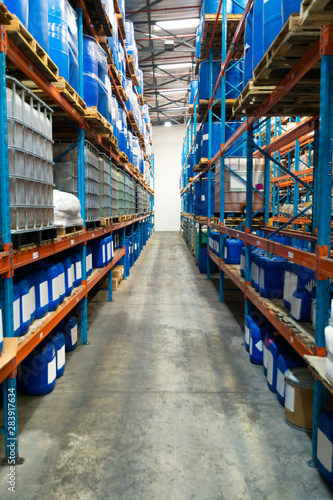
(201,165)
(141,101)
(201,219)
(28,45)
(97,121)
(288,48)
(316,13)
(121,25)
(115,74)
(121,92)
(104,44)
(202,108)
(99,17)
(106,221)
(123,157)
(232,24)
(69,231)
(116,7)
(5,16)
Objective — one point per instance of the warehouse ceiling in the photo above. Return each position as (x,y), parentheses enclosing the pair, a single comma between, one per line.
(166,56)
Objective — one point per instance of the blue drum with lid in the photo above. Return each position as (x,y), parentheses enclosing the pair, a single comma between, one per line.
(248,48)
(90,70)
(258,32)
(53,286)
(61,282)
(38,22)
(58,36)
(288,7)
(25,309)
(38,371)
(194,88)
(203,79)
(69,328)
(69,275)
(215,139)
(232,250)
(20,8)
(301,305)
(272,21)
(89,266)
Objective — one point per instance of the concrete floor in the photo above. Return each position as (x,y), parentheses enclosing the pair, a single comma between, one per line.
(163,404)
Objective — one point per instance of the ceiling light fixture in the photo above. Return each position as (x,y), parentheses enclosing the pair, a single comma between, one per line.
(173,91)
(167,124)
(175,65)
(176,25)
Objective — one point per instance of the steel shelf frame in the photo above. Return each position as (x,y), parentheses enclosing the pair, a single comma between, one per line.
(10,260)
(318,132)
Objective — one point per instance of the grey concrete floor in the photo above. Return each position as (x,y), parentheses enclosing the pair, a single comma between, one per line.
(163,404)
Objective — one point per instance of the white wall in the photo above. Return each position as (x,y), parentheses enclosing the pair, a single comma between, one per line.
(167,147)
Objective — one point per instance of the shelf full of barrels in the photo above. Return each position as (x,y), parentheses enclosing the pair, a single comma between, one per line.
(76,181)
(266,210)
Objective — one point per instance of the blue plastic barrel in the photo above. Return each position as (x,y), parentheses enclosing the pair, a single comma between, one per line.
(234,79)
(69,328)
(16,310)
(58,341)
(73,48)
(58,36)
(288,7)
(325,445)
(38,22)
(69,275)
(89,265)
(232,250)
(197,147)
(61,282)
(20,8)
(202,261)
(201,197)
(130,41)
(301,305)
(42,292)
(203,79)
(215,139)
(103,94)
(286,361)
(272,21)
(53,286)
(274,348)
(211,6)
(271,277)
(247,328)
(90,70)
(25,309)
(98,253)
(248,48)
(129,248)
(242,262)
(194,88)
(38,371)
(239,147)
(257,334)
(239,7)
(76,259)
(258,32)
(32,295)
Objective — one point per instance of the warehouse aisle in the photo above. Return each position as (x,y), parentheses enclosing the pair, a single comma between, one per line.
(163,404)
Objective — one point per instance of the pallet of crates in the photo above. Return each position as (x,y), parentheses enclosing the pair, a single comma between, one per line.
(114,185)
(65,170)
(29,122)
(105,212)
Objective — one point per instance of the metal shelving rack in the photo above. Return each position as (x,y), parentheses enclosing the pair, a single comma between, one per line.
(319,130)
(10,260)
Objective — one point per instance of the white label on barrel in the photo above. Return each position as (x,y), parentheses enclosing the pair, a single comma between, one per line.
(290,255)
(62,284)
(258,243)
(32,299)
(78,270)
(72,242)
(262,278)
(16,312)
(35,255)
(242,262)
(109,250)
(61,358)
(324,451)
(289,402)
(43,294)
(55,288)
(1,331)
(203,197)
(225,252)
(296,304)
(246,335)
(25,308)
(205,137)
(71,278)
(265,356)
(280,384)
(259,345)
(74,335)
(251,346)
(51,371)
(270,364)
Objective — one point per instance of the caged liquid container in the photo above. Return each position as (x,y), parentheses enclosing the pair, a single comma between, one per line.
(30,159)
(104,164)
(114,185)
(66,173)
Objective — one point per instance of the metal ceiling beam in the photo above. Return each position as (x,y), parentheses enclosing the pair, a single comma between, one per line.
(164,10)
(146,10)
(158,51)
(183,42)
